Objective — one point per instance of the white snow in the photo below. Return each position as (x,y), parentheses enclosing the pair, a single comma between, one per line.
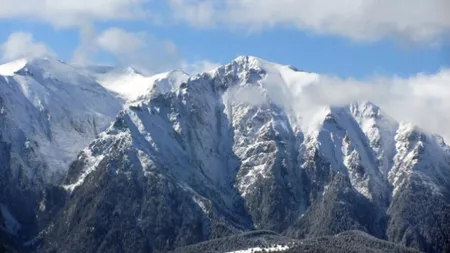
(188,132)
(200,202)
(325,189)
(53,104)
(146,162)
(250,178)
(10,68)
(91,165)
(128,83)
(131,85)
(267,249)
(357,139)
(419,154)
(325,128)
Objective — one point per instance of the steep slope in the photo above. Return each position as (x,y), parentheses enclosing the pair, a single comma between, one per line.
(167,168)
(227,151)
(420,210)
(55,107)
(48,113)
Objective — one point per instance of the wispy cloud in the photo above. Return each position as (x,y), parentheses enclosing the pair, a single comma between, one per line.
(199,66)
(139,49)
(23,44)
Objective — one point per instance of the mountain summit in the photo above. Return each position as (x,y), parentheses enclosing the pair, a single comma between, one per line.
(192,158)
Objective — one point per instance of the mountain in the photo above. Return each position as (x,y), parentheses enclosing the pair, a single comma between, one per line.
(53,106)
(48,113)
(128,82)
(104,159)
(213,155)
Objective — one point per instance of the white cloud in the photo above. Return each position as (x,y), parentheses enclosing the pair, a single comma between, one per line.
(422,99)
(146,52)
(22,44)
(139,49)
(424,21)
(118,41)
(87,47)
(198,13)
(200,66)
(78,14)
(73,13)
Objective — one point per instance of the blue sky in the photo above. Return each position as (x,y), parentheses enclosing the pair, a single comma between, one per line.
(314,47)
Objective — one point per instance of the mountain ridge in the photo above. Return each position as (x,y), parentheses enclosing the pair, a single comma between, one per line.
(207,156)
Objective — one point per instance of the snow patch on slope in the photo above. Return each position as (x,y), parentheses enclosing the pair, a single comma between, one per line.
(91,165)
(275,248)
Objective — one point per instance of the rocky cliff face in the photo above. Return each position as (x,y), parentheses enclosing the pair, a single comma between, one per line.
(222,152)
(203,157)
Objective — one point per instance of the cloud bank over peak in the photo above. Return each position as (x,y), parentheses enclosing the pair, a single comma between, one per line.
(422,99)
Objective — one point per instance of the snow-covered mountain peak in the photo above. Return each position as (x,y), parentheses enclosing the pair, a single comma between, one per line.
(365,109)
(173,74)
(46,69)
(167,82)
(54,105)
(231,148)
(130,84)
(28,64)
(130,70)
(256,63)
(10,68)
(251,62)
(278,84)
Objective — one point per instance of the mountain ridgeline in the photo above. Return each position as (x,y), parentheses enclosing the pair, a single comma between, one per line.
(85,167)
